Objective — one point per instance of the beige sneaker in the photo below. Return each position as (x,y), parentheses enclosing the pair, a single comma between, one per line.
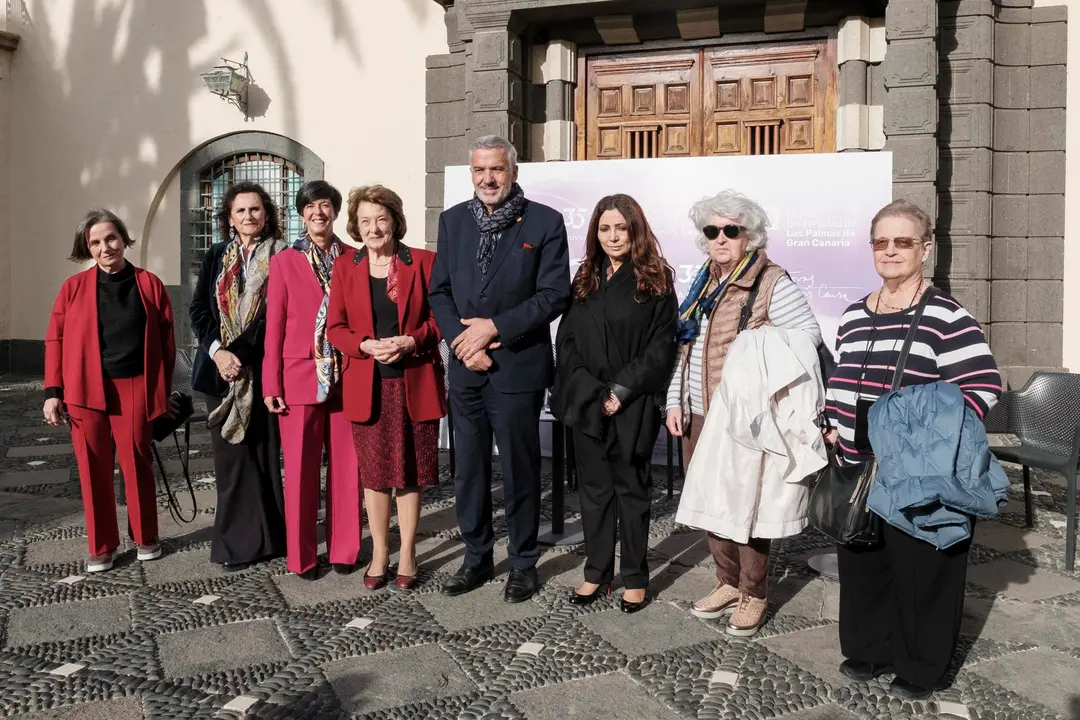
(748,617)
(721,601)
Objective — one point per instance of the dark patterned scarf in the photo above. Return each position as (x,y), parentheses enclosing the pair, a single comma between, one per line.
(327,359)
(492,225)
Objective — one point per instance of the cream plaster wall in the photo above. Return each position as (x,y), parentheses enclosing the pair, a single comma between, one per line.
(1071,328)
(107,100)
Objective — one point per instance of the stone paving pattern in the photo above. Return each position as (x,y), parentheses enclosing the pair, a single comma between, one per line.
(178,638)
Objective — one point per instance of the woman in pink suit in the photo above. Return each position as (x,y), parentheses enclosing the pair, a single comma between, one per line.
(301,384)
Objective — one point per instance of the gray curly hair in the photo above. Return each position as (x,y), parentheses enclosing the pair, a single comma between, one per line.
(735,205)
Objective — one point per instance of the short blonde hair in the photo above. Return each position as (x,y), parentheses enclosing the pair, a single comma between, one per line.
(376,195)
(909,210)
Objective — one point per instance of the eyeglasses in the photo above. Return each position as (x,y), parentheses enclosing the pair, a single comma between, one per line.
(901,243)
(730,231)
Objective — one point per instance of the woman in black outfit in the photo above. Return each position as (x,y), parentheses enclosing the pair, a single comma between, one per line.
(615,351)
(228,316)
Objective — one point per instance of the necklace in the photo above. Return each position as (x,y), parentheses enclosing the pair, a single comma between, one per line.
(383,264)
(898,308)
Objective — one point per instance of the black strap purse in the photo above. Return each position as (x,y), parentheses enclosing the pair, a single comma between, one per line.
(161,429)
(837,505)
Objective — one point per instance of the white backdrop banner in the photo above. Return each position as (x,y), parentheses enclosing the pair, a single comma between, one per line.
(820,207)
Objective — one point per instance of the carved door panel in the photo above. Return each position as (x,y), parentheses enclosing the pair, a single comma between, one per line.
(644,106)
(769,100)
(760,100)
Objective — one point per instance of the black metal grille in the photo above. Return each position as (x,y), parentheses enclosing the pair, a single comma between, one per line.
(281,178)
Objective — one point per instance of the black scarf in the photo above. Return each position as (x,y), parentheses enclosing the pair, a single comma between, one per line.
(492,225)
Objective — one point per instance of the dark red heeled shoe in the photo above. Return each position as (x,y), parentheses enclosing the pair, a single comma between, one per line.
(374,582)
(406,582)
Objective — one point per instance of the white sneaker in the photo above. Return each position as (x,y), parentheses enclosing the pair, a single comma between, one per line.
(150,553)
(99,566)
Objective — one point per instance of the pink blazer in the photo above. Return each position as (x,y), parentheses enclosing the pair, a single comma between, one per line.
(293,297)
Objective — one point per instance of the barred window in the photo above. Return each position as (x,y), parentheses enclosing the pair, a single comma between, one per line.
(280,177)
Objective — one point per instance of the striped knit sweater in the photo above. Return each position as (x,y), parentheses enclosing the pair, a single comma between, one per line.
(948,345)
(788,308)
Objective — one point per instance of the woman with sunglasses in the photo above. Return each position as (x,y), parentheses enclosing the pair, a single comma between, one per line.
(733,233)
(901,602)
(615,353)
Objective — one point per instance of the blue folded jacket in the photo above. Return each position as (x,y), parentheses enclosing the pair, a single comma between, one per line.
(935,468)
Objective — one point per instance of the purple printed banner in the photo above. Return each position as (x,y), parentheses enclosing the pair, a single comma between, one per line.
(820,207)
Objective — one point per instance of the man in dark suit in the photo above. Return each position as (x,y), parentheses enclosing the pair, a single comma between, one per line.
(501,277)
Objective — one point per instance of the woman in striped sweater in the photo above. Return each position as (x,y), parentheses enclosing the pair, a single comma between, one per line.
(732,232)
(901,602)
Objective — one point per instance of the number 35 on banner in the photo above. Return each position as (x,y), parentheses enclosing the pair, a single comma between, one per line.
(576,218)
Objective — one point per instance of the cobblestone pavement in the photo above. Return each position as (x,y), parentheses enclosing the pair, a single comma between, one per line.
(178,638)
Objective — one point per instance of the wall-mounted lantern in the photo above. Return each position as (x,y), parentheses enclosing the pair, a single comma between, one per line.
(230,81)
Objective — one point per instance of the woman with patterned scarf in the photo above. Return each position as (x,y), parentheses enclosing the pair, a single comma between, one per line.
(301,385)
(732,232)
(228,316)
(380,320)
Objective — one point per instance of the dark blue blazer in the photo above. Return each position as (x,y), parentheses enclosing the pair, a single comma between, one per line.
(526,288)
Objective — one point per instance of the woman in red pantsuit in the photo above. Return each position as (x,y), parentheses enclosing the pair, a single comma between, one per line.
(393,380)
(109,357)
(301,385)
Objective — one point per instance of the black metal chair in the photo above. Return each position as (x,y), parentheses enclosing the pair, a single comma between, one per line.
(1045,416)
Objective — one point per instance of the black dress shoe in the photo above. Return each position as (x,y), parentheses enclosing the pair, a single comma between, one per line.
(343,569)
(312,573)
(467,578)
(580,600)
(521,585)
(632,607)
(863,671)
(237,567)
(908,690)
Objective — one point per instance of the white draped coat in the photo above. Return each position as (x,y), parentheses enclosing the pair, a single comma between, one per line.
(760,440)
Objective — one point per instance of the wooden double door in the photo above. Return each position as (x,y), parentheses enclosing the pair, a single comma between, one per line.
(757,100)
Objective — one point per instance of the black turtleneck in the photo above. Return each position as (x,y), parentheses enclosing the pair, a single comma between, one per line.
(121,323)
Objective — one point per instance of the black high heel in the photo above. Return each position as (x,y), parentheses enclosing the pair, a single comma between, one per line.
(580,600)
(632,607)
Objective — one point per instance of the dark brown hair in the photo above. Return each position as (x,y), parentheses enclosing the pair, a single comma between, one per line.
(377,195)
(272,228)
(650,269)
(80,250)
(909,210)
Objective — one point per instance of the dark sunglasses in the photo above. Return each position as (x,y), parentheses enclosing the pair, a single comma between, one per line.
(901,243)
(730,231)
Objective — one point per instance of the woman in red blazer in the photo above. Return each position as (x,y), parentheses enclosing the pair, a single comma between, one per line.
(393,380)
(301,373)
(109,357)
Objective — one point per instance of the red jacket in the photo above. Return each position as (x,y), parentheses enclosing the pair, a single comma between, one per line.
(73,348)
(350,321)
(293,299)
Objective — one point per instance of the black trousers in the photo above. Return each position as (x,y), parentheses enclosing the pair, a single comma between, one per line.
(249,524)
(613,491)
(901,604)
(515,420)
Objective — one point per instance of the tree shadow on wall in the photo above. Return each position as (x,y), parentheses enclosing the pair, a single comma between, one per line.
(109,110)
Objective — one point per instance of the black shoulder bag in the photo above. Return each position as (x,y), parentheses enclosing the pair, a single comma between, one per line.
(162,428)
(837,506)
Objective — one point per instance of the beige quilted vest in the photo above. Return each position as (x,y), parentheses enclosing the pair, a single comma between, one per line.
(724,321)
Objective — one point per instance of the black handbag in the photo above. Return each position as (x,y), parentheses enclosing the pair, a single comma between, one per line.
(837,505)
(164,426)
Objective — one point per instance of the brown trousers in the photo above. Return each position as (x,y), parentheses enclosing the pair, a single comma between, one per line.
(741,566)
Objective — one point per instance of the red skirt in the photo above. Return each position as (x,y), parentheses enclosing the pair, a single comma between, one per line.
(392,450)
